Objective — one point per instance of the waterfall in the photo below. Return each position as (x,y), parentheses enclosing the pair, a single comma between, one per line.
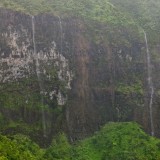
(61,33)
(150,84)
(59,94)
(36,58)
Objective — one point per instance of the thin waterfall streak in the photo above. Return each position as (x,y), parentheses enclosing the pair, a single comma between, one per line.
(35,55)
(61,32)
(150,84)
(61,40)
(151,112)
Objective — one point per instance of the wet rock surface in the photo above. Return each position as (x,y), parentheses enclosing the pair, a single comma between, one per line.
(84,82)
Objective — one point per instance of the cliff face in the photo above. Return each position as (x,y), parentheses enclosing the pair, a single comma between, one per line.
(35,75)
(58,75)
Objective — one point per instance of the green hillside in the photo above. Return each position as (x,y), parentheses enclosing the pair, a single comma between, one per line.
(119,141)
(101,10)
(144,12)
(115,141)
(140,14)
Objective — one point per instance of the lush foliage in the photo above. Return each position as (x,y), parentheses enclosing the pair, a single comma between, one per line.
(136,15)
(102,10)
(59,149)
(116,141)
(144,12)
(130,89)
(19,148)
(119,141)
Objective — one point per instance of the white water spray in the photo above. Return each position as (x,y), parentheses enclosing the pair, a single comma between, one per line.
(35,55)
(150,84)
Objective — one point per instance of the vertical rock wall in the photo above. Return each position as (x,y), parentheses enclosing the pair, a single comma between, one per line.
(88,77)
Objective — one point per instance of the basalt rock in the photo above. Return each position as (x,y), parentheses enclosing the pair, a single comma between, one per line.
(84,79)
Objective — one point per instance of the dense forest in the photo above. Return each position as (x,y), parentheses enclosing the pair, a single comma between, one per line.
(117,141)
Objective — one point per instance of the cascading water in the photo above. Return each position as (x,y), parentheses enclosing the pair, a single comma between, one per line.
(61,32)
(150,84)
(67,110)
(35,55)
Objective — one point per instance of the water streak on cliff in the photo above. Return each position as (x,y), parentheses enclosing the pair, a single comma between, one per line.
(38,72)
(61,33)
(150,84)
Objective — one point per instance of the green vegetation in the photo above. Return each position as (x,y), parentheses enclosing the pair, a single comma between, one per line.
(23,101)
(59,149)
(101,11)
(130,89)
(116,14)
(143,12)
(19,147)
(115,141)
(119,141)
